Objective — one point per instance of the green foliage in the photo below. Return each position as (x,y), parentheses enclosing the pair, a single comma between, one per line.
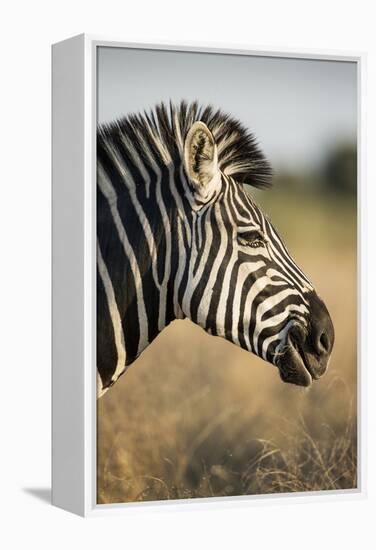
(340,169)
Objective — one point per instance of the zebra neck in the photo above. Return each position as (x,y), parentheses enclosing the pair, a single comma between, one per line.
(131,312)
(137,262)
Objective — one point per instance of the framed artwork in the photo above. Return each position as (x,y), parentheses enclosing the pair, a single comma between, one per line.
(206,275)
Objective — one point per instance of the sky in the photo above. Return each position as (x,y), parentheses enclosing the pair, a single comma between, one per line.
(296,108)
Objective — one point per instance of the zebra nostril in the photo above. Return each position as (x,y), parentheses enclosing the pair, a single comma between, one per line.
(321,330)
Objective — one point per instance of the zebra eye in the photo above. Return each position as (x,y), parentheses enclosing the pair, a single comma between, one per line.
(256,242)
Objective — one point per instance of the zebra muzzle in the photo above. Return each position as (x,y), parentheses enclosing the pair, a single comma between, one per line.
(307,352)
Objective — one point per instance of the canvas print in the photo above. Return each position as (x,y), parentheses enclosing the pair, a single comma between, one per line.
(226,275)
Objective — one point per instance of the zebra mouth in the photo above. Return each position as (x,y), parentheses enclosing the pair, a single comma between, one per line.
(294,367)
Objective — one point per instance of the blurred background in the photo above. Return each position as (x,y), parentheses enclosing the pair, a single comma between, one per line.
(195,416)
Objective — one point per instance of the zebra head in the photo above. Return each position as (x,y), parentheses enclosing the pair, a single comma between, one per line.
(242,283)
(179,236)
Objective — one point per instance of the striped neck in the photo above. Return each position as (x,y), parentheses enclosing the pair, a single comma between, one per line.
(138,258)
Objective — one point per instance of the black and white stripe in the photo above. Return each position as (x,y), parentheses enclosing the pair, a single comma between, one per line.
(166,252)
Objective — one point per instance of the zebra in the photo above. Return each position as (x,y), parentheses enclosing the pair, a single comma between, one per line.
(179,236)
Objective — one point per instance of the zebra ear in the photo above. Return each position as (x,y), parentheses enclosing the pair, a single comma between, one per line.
(201,159)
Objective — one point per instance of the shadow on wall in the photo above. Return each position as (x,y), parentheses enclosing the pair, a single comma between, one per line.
(41,493)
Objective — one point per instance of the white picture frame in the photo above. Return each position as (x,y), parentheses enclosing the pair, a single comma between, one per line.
(73,268)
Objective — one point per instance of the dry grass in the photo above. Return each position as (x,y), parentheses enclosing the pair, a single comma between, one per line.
(196,416)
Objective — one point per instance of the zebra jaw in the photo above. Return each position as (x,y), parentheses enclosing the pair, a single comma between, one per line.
(292,363)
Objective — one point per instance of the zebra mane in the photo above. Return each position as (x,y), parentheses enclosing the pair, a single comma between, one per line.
(162,131)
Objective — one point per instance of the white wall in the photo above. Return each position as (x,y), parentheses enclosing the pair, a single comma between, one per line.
(28,29)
